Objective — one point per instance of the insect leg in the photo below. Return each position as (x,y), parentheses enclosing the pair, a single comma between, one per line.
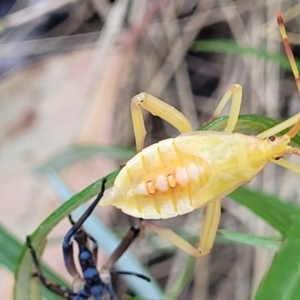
(125,243)
(133,232)
(157,108)
(287,165)
(94,248)
(174,239)
(210,226)
(280,127)
(53,287)
(234,93)
(208,232)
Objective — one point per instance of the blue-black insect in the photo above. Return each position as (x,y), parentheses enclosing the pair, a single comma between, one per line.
(93,284)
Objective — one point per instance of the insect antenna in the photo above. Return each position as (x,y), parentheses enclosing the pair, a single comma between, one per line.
(293,121)
(71,220)
(289,53)
(139,275)
(288,49)
(294,130)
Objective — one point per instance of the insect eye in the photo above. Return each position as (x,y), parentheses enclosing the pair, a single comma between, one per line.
(272,138)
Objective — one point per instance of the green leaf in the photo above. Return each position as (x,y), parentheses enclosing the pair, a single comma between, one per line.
(248,124)
(280,215)
(10,252)
(10,249)
(283,278)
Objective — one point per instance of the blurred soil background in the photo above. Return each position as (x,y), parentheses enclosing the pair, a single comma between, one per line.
(68,71)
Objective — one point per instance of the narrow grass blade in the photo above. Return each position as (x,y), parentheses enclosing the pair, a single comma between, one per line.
(183,279)
(78,153)
(225,46)
(272,243)
(282,281)
(11,250)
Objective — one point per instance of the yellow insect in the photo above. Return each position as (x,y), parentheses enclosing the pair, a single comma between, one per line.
(196,169)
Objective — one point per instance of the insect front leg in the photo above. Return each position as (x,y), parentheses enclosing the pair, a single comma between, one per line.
(157,108)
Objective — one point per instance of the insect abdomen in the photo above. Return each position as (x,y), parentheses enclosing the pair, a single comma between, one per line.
(159,182)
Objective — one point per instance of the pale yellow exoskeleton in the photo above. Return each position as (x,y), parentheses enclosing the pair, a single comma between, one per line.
(196,169)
